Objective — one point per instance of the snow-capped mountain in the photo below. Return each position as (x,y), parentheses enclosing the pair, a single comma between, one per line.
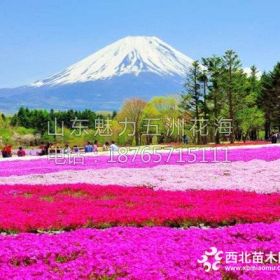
(130,55)
(135,66)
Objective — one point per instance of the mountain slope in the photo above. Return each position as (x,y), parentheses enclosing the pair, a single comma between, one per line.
(130,55)
(133,66)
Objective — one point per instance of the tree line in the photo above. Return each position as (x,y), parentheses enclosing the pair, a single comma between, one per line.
(218,88)
(39,119)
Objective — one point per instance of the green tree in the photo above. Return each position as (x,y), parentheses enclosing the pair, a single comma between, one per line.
(203,79)
(215,99)
(231,65)
(165,109)
(191,98)
(269,99)
(132,111)
(253,117)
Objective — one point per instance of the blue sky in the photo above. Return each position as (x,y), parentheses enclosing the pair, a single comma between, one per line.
(39,38)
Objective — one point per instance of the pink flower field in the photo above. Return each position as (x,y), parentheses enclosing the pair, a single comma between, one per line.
(41,166)
(155,220)
(60,207)
(253,176)
(137,253)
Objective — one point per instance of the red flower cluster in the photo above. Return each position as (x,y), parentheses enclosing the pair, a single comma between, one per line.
(27,208)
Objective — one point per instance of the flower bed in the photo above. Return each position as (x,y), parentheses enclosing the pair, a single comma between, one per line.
(135,253)
(255,176)
(132,203)
(58,207)
(41,166)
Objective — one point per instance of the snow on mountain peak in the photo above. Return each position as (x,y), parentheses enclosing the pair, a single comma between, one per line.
(130,55)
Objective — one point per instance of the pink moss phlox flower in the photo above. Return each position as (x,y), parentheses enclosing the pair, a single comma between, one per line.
(57,207)
(41,166)
(134,253)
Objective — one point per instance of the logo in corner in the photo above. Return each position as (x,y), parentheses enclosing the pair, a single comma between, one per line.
(211,259)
